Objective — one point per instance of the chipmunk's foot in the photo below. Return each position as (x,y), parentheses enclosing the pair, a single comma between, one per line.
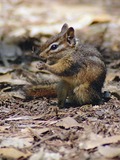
(41,65)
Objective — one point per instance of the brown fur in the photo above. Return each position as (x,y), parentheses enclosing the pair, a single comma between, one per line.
(80,68)
(40,91)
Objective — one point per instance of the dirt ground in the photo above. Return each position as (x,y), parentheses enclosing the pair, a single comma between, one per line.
(33,127)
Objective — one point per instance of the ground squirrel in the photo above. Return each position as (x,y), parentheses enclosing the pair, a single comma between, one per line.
(79,67)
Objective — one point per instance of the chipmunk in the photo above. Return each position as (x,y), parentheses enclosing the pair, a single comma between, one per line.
(79,67)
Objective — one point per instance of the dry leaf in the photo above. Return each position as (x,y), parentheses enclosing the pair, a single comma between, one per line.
(18,118)
(109,152)
(13,153)
(4,129)
(98,141)
(17,94)
(37,132)
(102,18)
(8,78)
(4,70)
(67,122)
(44,154)
(16,142)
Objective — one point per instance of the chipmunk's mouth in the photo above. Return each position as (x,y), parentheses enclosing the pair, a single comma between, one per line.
(50,62)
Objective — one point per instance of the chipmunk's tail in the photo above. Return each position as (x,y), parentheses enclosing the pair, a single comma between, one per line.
(41,90)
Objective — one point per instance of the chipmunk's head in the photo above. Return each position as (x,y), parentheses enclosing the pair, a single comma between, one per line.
(59,45)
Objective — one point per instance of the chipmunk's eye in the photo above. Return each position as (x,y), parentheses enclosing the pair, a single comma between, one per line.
(54,46)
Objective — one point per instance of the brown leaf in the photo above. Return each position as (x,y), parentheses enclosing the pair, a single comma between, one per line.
(102,18)
(97,141)
(13,153)
(37,132)
(16,142)
(68,122)
(8,78)
(109,152)
(44,154)
(4,128)
(4,70)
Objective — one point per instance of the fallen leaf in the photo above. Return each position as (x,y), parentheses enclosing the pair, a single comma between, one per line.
(17,94)
(16,142)
(4,128)
(102,18)
(18,118)
(13,153)
(4,70)
(98,141)
(109,152)
(37,132)
(8,78)
(67,122)
(44,154)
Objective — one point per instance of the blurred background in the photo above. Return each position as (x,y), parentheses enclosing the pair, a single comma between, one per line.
(22,20)
(44,17)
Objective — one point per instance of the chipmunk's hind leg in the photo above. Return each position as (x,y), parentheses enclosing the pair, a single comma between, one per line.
(62,93)
(72,99)
(86,94)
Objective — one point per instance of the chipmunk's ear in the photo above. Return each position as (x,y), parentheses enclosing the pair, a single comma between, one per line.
(64,28)
(71,36)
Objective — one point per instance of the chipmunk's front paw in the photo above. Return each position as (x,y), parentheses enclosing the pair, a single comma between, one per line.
(41,65)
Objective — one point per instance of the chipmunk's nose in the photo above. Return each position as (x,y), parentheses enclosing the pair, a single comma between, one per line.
(42,56)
